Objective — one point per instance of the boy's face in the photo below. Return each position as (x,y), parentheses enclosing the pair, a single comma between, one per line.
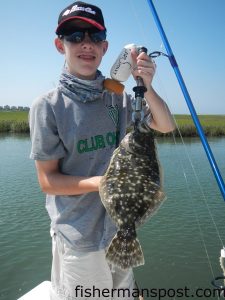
(82,58)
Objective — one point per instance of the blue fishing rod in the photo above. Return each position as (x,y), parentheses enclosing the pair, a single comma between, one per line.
(187,97)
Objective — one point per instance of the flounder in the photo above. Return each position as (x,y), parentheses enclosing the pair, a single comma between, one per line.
(131,191)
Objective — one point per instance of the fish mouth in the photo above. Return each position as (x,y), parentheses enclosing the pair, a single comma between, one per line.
(139,143)
(130,144)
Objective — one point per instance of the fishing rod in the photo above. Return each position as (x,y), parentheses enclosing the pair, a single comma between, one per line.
(187,97)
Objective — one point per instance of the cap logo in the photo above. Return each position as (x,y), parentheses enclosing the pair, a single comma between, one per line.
(76,7)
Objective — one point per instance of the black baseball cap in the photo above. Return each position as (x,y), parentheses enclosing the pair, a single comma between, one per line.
(81,11)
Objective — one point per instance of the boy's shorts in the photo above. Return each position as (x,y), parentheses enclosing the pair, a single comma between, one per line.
(79,276)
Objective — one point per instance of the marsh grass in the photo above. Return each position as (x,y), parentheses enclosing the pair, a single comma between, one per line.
(17,116)
(14,122)
(213,125)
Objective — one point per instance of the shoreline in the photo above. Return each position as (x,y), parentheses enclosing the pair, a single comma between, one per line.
(213,125)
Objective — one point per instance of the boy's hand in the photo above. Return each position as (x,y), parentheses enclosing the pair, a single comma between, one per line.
(144,67)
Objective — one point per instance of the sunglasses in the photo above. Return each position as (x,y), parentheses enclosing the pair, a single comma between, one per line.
(79,35)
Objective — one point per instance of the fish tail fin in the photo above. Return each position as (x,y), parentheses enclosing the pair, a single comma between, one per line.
(125,252)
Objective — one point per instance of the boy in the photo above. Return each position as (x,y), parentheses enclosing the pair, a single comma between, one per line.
(74,132)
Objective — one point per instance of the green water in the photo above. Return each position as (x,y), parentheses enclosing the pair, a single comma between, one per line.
(181,243)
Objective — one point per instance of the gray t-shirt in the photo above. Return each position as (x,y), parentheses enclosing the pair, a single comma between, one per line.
(83,136)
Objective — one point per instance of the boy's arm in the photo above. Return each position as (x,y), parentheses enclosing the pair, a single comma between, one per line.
(162,119)
(55,183)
